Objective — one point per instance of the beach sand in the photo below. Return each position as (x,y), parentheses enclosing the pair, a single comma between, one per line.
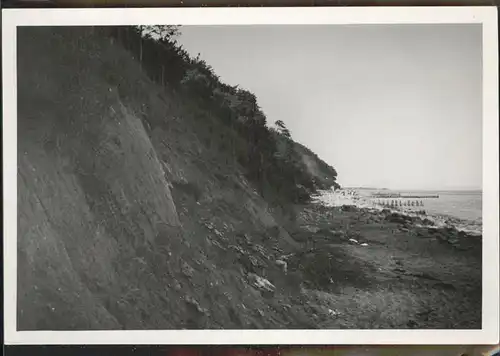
(362,200)
(379,268)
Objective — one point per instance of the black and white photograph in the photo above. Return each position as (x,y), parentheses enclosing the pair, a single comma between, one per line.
(239,350)
(270,176)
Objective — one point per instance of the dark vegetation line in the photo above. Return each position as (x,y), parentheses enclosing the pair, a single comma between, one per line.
(121,231)
(271,160)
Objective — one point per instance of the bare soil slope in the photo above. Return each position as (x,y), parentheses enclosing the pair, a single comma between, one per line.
(133,216)
(127,218)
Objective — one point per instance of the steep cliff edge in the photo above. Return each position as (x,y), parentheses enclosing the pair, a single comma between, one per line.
(131,215)
(153,196)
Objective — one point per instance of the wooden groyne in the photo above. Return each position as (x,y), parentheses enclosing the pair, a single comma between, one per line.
(399,202)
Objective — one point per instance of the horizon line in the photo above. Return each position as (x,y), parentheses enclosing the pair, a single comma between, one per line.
(413,188)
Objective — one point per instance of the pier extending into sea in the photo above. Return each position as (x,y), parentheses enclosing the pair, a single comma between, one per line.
(401,200)
(398,195)
(380,199)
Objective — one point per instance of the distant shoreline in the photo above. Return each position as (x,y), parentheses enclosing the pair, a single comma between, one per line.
(386,190)
(440,220)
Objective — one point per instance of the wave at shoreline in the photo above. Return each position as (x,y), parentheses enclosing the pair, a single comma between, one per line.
(338,198)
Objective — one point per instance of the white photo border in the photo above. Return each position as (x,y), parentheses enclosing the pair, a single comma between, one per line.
(487,16)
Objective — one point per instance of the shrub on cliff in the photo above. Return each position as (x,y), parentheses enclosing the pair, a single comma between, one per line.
(269,157)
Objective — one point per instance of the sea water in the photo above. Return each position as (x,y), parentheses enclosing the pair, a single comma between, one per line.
(462,209)
(465,205)
(459,208)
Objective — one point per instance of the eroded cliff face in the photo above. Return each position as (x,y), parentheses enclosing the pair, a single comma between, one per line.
(134,214)
(92,191)
(126,218)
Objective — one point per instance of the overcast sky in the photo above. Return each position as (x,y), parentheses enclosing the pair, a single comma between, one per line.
(395,106)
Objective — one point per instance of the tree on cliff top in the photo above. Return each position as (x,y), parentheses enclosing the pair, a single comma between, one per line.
(254,145)
(159,32)
(282,129)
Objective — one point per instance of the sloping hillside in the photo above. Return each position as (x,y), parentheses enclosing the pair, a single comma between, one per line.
(132,214)
(324,174)
(153,196)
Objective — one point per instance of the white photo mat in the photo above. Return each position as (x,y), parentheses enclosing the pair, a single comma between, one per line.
(487,16)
